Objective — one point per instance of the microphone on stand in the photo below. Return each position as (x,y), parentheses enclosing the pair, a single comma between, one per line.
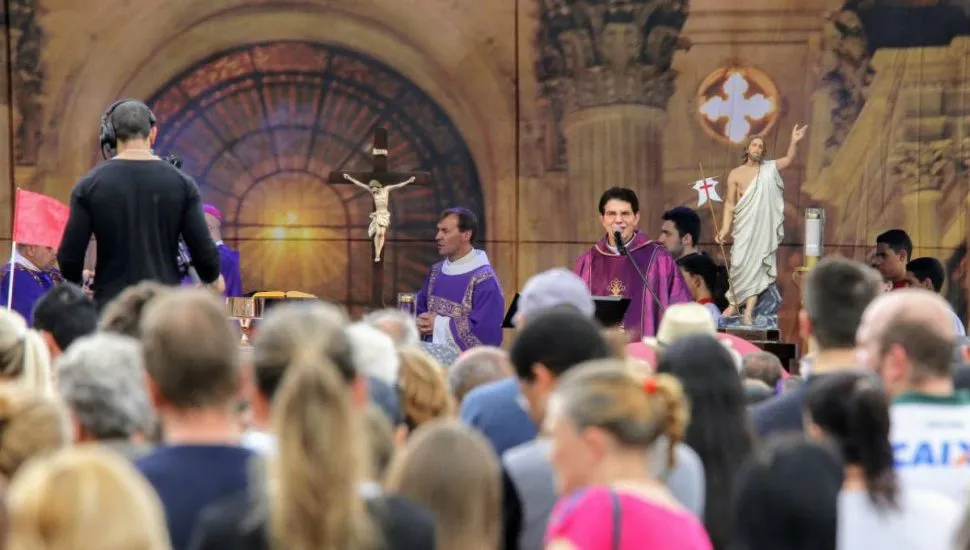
(621,248)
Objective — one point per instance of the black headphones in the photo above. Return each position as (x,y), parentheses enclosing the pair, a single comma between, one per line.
(108,138)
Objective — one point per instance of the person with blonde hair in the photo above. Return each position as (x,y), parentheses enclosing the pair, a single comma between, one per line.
(452,470)
(84,497)
(24,356)
(30,425)
(603,420)
(315,494)
(423,390)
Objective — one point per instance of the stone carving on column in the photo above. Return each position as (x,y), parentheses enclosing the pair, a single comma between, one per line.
(27,75)
(922,171)
(604,70)
(845,75)
(923,166)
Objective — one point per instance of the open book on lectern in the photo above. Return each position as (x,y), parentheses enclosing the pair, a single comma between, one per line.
(609,310)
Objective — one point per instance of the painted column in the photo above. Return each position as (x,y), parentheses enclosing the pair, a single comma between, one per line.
(609,72)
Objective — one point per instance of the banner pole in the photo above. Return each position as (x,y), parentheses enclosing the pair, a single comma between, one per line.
(10,274)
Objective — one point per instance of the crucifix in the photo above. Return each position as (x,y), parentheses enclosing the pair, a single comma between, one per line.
(379,183)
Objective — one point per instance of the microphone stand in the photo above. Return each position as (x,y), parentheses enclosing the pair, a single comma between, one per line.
(621,248)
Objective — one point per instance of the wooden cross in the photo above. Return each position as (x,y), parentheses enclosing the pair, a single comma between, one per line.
(377,179)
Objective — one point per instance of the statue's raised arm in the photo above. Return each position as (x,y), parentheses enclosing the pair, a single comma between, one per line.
(402,184)
(358,183)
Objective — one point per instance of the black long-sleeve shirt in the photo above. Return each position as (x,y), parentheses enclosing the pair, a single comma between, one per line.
(136,210)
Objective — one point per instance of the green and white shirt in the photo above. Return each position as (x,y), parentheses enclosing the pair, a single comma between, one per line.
(930,436)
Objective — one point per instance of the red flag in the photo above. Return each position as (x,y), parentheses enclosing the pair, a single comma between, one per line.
(38,219)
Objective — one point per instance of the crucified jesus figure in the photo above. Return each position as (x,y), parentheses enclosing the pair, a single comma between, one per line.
(380,218)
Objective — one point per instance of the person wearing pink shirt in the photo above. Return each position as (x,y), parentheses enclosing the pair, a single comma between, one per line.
(603,419)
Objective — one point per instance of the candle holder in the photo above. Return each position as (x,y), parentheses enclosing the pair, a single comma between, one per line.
(408,303)
(814,241)
(245,310)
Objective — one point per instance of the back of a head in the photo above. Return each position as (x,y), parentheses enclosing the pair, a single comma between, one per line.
(767,514)
(395,323)
(131,120)
(191,353)
(123,315)
(321,460)
(85,497)
(897,240)
(380,441)
(851,409)
(24,356)
(424,393)
(837,292)
(606,394)
(756,391)
(374,352)
(66,313)
(475,367)
(918,321)
(30,425)
(928,268)
(764,366)
(558,339)
(101,378)
(719,429)
(451,470)
(290,327)
(553,288)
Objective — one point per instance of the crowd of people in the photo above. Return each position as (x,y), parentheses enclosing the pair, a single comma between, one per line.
(148,426)
(132,416)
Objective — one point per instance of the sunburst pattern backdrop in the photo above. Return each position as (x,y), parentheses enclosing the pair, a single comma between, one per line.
(260,127)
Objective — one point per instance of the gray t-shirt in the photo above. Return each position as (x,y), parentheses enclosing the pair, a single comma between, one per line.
(530,470)
(924,521)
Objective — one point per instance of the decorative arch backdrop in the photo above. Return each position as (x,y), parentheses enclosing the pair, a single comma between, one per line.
(524,110)
(261,126)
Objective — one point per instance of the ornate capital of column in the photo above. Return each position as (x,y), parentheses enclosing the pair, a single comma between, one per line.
(926,166)
(594,53)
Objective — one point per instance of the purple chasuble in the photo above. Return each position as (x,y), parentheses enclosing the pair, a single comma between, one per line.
(229,267)
(607,273)
(468,300)
(28,286)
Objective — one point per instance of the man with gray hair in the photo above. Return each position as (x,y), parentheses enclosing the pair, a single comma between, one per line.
(101,379)
(552,288)
(395,323)
(476,367)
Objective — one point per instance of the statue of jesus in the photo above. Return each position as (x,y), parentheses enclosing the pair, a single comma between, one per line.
(380,218)
(755,209)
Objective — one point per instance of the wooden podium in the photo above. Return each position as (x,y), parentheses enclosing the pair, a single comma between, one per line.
(769,340)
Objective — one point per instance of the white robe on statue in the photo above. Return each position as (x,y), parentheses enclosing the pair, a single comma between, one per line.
(759,218)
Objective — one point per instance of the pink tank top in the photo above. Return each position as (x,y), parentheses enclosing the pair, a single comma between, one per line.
(598,518)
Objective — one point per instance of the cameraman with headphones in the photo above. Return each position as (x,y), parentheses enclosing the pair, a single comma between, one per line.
(137,206)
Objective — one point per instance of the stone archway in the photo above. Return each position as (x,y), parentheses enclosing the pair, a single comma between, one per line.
(441,49)
(260,126)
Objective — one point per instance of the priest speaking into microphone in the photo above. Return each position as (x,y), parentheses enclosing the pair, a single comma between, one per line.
(137,206)
(608,266)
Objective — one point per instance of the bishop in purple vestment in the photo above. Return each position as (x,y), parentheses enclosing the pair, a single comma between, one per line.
(33,275)
(608,273)
(461,303)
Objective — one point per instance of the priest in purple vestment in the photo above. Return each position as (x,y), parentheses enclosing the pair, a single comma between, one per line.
(461,303)
(228,258)
(608,273)
(34,273)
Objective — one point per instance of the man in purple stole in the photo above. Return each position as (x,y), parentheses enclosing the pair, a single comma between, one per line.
(461,303)
(608,273)
(34,273)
